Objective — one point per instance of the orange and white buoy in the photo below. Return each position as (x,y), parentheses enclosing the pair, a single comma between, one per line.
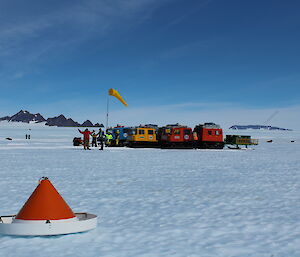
(46,213)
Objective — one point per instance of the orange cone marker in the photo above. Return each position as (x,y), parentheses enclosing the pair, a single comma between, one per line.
(46,213)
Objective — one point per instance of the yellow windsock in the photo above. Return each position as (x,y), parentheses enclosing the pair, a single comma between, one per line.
(116,94)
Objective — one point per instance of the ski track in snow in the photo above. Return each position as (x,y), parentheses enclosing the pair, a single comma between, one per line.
(153,202)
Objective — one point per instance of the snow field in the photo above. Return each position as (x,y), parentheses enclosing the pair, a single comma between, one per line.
(153,202)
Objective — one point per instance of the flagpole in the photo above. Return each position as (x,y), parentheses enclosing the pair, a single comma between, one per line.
(107,110)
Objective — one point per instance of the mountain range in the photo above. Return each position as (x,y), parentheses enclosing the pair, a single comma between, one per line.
(257,127)
(59,121)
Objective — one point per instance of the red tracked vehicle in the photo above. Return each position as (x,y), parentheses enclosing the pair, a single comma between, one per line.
(208,136)
(175,136)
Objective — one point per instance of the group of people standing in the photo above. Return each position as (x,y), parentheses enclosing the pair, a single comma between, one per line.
(101,137)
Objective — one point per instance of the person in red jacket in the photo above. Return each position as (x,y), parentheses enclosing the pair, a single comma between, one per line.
(86,138)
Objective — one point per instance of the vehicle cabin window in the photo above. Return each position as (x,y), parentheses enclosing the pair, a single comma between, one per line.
(168,131)
(209,132)
(132,132)
(176,132)
(125,130)
(217,132)
(187,132)
(150,132)
(141,132)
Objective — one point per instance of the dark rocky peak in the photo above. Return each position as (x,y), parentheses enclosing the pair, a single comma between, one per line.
(61,116)
(21,112)
(25,116)
(71,123)
(5,118)
(61,121)
(38,117)
(87,123)
(99,125)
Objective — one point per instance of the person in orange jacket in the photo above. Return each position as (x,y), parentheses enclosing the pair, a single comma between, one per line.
(86,138)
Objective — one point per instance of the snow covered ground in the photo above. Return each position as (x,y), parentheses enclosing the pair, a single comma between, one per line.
(155,202)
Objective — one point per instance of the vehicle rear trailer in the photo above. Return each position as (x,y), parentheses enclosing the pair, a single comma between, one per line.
(235,141)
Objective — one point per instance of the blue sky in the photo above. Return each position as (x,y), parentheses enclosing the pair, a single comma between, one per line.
(172,60)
